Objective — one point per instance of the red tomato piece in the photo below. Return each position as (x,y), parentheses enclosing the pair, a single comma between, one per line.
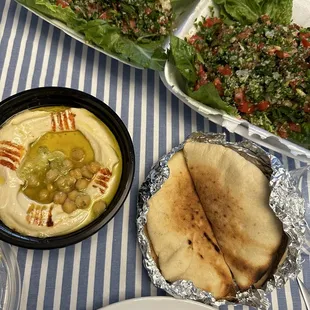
(62,3)
(194,38)
(304,39)
(218,85)
(282,54)
(246,107)
(210,21)
(104,15)
(260,45)
(148,11)
(132,24)
(282,132)
(239,96)
(224,70)
(263,105)
(295,127)
(307,108)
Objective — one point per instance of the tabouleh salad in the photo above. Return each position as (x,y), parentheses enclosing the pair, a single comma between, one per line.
(138,19)
(260,72)
(132,30)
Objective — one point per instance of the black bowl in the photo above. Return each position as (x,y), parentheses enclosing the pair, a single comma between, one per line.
(58,96)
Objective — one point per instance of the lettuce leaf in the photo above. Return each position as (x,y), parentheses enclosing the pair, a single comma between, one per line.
(147,53)
(248,11)
(184,56)
(243,11)
(66,15)
(209,95)
(280,11)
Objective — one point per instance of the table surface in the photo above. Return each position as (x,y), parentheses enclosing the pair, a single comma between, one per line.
(107,267)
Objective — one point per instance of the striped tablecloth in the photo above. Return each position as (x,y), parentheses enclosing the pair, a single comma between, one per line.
(107,267)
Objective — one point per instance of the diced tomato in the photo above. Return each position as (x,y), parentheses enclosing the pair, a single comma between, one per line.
(244,34)
(132,24)
(295,127)
(282,54)
(239,96)
(210,21)
(148,11)
(304,39)
(218,85)
(307,108)
(265,19)
(199,83)
(104,15)
(246,107)
(201,72)
(62,3)
(224,70)
(263,105)
(125,28)
(272,51)
(260,45)
(293,83)
(282,132)
(195,41)
(194,38)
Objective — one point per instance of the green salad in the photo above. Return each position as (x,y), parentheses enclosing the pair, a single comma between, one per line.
(259,72)
(133,30)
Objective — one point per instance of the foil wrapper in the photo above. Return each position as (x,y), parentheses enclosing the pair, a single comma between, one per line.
(285,200)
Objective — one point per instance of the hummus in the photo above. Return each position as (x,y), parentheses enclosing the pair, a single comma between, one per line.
(22,136)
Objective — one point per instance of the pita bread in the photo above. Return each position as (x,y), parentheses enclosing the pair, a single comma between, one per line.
(235,197)
(182,237)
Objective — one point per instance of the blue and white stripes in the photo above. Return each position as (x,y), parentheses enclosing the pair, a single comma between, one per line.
(107,267)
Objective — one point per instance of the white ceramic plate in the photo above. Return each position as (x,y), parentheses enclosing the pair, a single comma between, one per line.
(157,303)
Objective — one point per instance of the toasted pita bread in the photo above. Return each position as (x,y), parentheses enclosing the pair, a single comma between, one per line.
(181,235)
(235,197)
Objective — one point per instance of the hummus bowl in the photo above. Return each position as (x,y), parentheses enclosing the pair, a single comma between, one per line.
(66,167)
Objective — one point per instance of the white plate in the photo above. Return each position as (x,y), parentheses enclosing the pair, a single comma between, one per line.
(157,303)
(175,83)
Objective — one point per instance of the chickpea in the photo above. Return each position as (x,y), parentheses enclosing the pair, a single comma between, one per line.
(67,164)
(76,173)
(60,197)
(33,181)
(77,154)
(86,173)
(50,187)
(99,206)
(66,183)
(81,184)
(52,175)
(94,167)
(82,201)
(72,195)
(43,194)
(69,206)
(54,164)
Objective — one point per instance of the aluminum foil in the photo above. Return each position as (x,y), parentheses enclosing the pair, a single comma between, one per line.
(285,200)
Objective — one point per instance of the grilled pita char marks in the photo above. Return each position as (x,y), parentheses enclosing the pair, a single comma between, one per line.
(235,194)
(182,237)
(39,215)
(10,154)
(63,121)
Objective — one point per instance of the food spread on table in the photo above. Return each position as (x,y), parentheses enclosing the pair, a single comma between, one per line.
(211,222)
(60,169)
(132,30)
